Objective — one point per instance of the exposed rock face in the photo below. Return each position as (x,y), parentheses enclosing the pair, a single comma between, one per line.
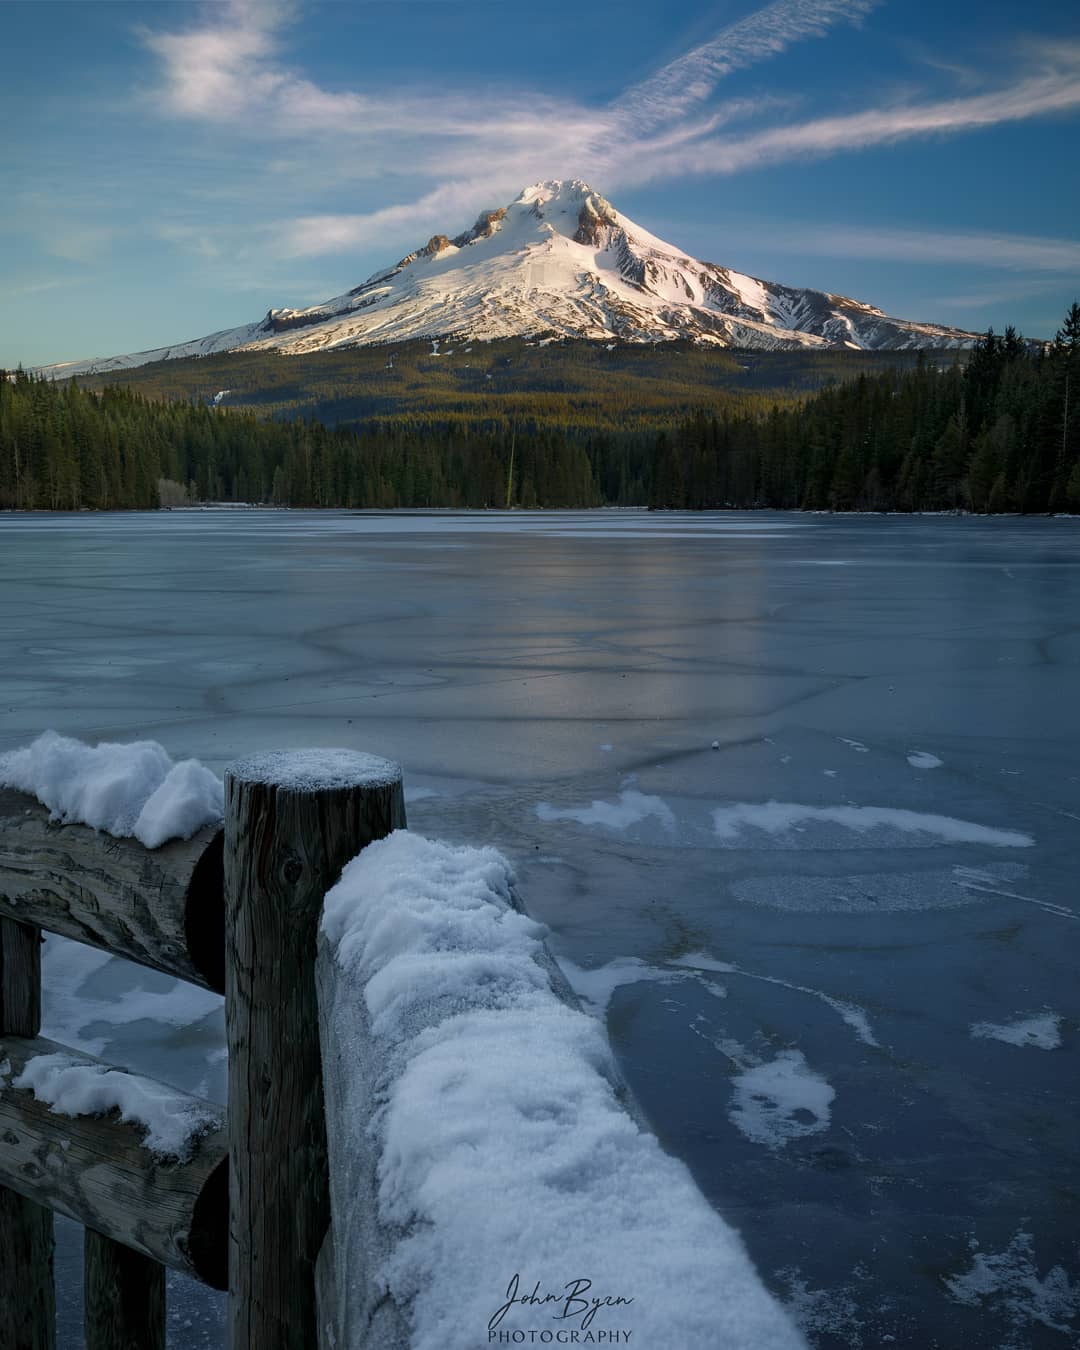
(597,223)
(486,224)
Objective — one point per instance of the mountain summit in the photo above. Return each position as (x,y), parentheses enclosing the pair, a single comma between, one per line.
(561,261)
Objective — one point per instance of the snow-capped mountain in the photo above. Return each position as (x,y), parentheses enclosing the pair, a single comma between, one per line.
(560,261)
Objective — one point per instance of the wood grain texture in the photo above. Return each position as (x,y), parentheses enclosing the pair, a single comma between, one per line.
(286,842)
(123,1297)
(97,1170)
(160,907)
(27,1295)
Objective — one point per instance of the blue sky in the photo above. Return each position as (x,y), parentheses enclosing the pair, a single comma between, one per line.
(171,169)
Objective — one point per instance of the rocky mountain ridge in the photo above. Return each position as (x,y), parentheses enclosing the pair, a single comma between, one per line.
(561,262)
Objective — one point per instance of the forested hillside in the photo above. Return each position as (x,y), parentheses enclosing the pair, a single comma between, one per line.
(63,448)
(999,434)
(582,387)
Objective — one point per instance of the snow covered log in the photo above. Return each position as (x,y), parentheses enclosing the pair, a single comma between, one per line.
(292,821)
(490,1180)
(161,907)
(131,1158)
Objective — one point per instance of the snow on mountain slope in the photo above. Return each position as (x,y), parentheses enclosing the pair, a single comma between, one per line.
(560,261)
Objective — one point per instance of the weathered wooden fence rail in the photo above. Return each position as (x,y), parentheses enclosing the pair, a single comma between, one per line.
(233,910)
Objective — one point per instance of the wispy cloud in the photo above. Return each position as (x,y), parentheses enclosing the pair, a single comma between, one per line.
(229,69)
(1008,252)
(688,81)
(1054,89)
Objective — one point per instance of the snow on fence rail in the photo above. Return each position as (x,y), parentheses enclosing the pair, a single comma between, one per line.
(471,1118)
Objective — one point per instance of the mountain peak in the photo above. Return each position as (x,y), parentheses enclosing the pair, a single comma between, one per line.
(561,261)
(566,191)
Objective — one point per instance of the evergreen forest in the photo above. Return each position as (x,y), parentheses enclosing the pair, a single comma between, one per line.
(1000,433)
(570,425)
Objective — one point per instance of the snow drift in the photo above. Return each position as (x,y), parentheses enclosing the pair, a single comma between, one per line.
(130,791)
(483,1148)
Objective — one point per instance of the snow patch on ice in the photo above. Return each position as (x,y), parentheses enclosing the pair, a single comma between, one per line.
(488,1083)
(833,1312)
(75,1014)
(855,745)
(777,818)
(129,791)
(72,1087)
(850,1013)
(1041,1030)
(702,961)
(1010,1282)
(631,808)
(923,759)
(781,1100)
(596,986)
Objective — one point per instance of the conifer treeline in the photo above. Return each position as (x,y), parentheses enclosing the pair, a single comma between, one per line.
(1001,433)
(63,448)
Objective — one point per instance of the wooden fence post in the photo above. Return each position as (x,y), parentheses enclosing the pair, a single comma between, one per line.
(27,1297)
(292,821)
(123,1297)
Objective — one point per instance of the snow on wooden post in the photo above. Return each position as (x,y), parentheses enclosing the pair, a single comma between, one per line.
(27,1299)
(292,821)
(161,907)
(154,1180)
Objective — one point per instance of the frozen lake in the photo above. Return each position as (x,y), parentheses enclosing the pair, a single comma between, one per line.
(836,952)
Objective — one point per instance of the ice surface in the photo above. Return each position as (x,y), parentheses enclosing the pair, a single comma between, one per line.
(1011,1279)
(132,790)
(596,986)
(1041,1030)
(491,654)
(71,1087)
(923,759)
(863,892)
(778,818)
(854,1016)
(492,1086)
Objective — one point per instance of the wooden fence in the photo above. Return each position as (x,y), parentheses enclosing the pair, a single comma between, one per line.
(234,910)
